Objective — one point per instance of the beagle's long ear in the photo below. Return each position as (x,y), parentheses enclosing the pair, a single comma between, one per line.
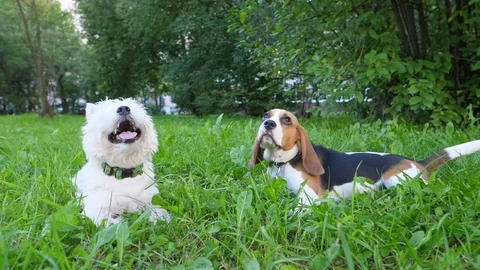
(257,154)
(311,162)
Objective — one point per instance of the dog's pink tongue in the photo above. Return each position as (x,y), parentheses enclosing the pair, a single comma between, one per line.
(126,135)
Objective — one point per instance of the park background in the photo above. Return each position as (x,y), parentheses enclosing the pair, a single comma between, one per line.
(417,60)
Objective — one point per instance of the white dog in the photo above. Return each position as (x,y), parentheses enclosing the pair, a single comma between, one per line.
(119,140)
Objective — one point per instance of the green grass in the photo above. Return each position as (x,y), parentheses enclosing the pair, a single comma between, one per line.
(227,217)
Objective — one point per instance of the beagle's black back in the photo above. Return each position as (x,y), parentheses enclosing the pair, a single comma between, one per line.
(341,168)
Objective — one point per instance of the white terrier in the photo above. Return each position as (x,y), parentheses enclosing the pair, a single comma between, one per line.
(119,140)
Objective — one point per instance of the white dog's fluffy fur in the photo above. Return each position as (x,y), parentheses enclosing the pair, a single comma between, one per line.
(104,197)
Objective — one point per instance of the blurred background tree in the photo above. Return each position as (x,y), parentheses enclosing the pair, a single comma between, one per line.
(38,48)
(417,60)
(185,45)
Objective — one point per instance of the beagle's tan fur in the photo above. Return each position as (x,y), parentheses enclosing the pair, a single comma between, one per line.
(283,142)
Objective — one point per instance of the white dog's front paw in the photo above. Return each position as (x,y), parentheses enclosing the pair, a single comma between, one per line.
(110,219)
(159,213)
(114,219)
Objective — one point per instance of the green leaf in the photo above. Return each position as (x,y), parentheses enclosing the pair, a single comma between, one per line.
(428,97)
(239,155)
(102,237)
(414,100)
(200,264)
(429,64)
(122,239)
(316,57)
(413,89)
(438,211)
(323,261)
(243,16)
(65,220)
(449,128)
(371,73)
(157,199)
(359,96)
(416,238)
(272,190)
(218,122)
(476,66)
(409,68)
(400,68)
(370,57)
(384,72)
(105,236)
(244,202)
(346,248)
(372,33)
(382,56)
(251,264)
(288,267)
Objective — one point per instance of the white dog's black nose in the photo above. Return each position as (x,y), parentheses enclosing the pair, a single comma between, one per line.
(123,110)
(269,124)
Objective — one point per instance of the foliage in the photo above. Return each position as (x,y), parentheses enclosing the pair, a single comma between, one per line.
(182,48)
(60,47)
(225,216)
(201,76)
(393,54)
(117,47)
(15,65)
(419,60)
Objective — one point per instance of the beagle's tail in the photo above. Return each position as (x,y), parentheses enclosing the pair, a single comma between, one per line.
(450,153)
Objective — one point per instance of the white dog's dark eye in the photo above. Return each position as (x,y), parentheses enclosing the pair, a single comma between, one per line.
(266,115)
(286,120)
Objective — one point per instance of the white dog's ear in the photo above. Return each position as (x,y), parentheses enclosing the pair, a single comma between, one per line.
(90,108)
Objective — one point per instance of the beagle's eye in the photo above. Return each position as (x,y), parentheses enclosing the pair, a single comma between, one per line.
(286,120)
(266,115)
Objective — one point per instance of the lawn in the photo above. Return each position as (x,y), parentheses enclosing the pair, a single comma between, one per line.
(227,217)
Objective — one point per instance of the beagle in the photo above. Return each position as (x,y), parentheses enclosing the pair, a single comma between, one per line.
(283,142)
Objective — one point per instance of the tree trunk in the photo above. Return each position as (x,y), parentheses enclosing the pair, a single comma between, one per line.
(37,58)
(465,69)
(157,108)
(45,108)
(63,95)
(401,29)
(455,34)
(406,10)
(4,104)
(422,22)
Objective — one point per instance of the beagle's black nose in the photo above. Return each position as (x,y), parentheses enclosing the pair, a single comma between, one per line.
(123,110)
(269,124)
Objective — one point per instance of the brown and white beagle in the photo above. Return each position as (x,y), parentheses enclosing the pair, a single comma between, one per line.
(283,142)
